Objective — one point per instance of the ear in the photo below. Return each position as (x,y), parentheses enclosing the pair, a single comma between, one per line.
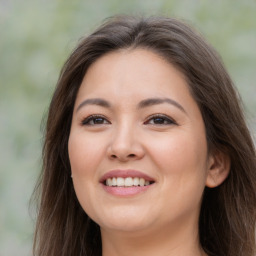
(218,171)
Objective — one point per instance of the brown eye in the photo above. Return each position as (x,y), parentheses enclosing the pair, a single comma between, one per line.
(95,120)
(160,120)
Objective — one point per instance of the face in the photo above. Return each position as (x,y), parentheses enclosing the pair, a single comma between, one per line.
(137,144)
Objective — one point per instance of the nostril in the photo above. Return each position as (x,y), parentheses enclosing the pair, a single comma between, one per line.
(127,157)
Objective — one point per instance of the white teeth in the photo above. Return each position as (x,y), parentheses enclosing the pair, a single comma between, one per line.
(109,182)
(136,181)
(142,182)
(114,182)
(127,182)
(120,182)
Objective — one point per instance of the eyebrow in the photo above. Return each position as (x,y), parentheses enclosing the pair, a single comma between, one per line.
(155,101)
(94,101)
(143,104)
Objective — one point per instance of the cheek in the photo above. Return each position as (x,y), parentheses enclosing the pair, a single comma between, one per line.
(180,150)
(182,159)
(85,153)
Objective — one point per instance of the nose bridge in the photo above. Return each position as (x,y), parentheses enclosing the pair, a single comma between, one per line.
(123,137)
(125,142)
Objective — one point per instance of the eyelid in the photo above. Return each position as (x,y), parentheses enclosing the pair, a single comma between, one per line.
(164,116)
(86,120)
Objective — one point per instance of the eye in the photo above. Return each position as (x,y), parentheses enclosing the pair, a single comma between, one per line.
(95,120)
(160,119)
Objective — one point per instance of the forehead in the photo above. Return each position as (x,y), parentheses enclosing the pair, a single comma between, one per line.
(130,71)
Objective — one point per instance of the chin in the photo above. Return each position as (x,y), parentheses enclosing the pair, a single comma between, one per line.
(125,222)
(125,226)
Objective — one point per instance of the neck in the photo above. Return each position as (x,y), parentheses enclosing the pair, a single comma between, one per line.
(154,242)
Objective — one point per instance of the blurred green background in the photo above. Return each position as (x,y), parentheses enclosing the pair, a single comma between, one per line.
(36,36)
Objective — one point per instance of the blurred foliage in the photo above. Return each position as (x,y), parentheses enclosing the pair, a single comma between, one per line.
(36,36)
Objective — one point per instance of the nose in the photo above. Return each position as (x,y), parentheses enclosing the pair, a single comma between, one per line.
(125,145)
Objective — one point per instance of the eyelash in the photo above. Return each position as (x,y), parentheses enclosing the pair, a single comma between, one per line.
(168,120)
(165,119)
(90,118)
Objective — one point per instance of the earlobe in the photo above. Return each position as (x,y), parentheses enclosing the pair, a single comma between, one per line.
(219,168)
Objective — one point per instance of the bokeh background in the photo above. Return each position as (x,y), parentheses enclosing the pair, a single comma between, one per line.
(36,36)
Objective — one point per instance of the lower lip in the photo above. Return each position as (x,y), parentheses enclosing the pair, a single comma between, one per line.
(125,191)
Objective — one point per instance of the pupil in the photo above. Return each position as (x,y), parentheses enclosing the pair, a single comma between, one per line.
(98,120)
(159,120)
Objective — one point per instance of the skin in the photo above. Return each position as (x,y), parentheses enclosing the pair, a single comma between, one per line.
(163,220)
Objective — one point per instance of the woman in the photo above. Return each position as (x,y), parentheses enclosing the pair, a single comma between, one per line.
(146,149)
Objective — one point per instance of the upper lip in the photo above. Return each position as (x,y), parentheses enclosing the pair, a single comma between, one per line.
(125,174)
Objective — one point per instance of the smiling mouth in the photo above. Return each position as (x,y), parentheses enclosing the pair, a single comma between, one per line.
(127,182)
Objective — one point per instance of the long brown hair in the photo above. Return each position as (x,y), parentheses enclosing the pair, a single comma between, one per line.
(228,215)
